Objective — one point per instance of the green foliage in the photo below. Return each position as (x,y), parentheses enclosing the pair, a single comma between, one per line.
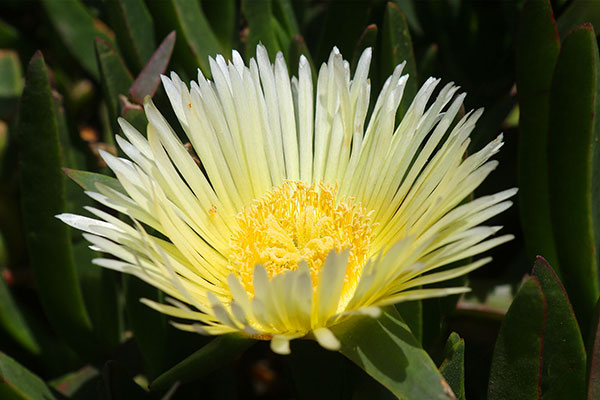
(386,349)
(574,172)
(517,355)
(69,329)
(593,358)
(536,57)
(148,80)
(48,240)
(134,30)
(17,383)
(539,351)
(453,366)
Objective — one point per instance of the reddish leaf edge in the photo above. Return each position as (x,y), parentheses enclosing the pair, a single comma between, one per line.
(138,92)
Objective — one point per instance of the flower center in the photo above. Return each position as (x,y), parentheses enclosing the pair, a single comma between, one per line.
(297,222)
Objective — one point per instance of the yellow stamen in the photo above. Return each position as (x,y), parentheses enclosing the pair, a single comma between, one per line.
(297,222)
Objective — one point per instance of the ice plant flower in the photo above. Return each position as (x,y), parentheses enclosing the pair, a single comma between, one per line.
(290,212)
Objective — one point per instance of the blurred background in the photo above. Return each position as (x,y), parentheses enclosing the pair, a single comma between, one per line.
(103,57)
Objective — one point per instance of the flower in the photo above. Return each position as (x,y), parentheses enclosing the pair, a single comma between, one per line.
(300,211)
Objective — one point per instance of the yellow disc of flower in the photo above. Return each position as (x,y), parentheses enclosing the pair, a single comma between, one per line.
(305,209)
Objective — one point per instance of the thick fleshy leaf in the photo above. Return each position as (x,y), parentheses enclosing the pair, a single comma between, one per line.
(98,285)
(396,47)
(412,313)
(574,148)
(563,366)
(579,12)
(221,16)
(43,197)
(75,383)
(18,383)
(89,180)
(367,39)
(593,359)
(453,366)
(217,353)
(536,57)
(13,323)
(298,47)
(385,348)
(259,16)
(78,29)
(284,10)
(116,78)
(148,80)
(134,30)
(515,371)
(409,10)
(195,39)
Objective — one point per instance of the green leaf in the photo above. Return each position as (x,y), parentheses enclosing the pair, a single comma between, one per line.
(148,326)
(117,384)
(412,313)
(593,359)
(408,9)
(13,323)
(298,47)
(148,80)
(573,148)
(396,47)
(78,29)
(97,284)
(259,16)
(75,382)
(579,12)
(43,197)
(536,57)
(17,382)
(195,39)
(284,12)
(385,348)
(515,371)
(367,39)
(116,78)
(563,366)
(221,16)
(89,180)
(453,366)
(283,38)
(134,30)
(217,353)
